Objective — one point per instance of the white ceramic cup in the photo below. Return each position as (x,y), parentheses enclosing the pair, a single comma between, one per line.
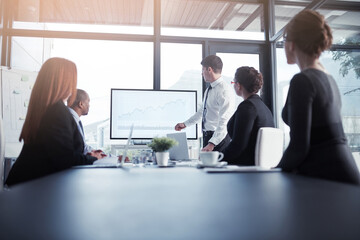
(211,158)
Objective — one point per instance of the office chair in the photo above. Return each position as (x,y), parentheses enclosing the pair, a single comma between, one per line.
(269,147)
(2,155)
(356,156)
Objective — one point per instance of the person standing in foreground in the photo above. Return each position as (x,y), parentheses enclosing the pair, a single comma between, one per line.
(52,141)
(217,108)
(250,116)
(318,146)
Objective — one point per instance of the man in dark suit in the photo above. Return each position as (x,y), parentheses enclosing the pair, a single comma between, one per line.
(79,108)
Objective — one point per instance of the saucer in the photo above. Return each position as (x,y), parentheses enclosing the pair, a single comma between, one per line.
(217,165)
(170,164)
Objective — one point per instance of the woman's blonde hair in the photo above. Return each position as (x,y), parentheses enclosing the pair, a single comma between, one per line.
(56,81)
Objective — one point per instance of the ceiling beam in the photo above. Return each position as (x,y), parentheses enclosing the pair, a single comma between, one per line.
(220,22)
(250,19)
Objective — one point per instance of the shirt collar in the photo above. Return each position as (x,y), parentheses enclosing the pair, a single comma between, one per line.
(75,115)
(216,82)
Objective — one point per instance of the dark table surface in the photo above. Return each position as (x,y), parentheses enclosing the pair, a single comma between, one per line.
(179,203)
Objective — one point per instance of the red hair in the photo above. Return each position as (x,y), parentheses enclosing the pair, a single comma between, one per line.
(56,81)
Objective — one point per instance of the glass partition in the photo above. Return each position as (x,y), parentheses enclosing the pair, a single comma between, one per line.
(344,24)
(233,61)
(284,13)
(181,68)
(101,65)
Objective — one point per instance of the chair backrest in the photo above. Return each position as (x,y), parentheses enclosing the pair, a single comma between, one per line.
(356,156)
(269,147)
(2,154)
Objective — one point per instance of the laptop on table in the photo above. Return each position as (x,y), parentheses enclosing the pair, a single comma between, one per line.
(179,152)
(113,161)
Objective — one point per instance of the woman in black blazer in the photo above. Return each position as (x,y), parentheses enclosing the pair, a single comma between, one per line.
(318,146)
(52,141)
(250,115)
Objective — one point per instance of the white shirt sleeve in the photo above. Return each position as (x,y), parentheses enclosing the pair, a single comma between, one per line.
(87,148)
(225,101)
(196,118)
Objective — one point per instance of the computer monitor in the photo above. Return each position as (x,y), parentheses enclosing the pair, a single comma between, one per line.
(154,113)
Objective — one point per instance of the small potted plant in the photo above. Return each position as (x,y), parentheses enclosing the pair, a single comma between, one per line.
(161,145)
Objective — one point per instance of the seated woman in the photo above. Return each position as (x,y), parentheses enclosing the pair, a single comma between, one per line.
(318,146)
(250,115)
(52,141)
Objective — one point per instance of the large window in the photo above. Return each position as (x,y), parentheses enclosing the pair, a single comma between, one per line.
(29,53)
(101,65)
(159,44)
(284,13)
(344,24)
(233,61)
(111,64)
(344,67)
(181,68)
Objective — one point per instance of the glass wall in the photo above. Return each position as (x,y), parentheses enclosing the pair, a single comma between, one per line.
(344,25)
(29,53)
(101,65)
(233,61)
(180,67)
(109,64)
(344,67)
(139,44)
(283,14)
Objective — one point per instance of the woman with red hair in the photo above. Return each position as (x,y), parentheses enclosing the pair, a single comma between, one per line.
(52,141)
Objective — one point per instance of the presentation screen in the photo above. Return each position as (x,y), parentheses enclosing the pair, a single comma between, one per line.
(153,113)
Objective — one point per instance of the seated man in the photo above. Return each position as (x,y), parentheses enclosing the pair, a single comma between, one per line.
(79,108)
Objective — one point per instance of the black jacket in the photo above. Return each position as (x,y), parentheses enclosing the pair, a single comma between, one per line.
(243,127)
(58,145)
(318,145)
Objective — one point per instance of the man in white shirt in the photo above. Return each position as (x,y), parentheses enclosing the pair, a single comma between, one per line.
(217,108)
(79,108)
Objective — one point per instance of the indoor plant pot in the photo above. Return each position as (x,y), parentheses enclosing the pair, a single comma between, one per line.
(161,146)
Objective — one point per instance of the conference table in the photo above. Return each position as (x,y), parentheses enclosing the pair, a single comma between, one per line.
(178,203)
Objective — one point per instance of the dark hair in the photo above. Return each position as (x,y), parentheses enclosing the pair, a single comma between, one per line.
(249,78)
(214,62)
(309,31)
(81,95)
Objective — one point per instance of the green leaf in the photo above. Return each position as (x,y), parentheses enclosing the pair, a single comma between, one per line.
(162,144)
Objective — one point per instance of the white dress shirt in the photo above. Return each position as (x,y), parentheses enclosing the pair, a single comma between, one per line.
(219,106)
(87,148)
